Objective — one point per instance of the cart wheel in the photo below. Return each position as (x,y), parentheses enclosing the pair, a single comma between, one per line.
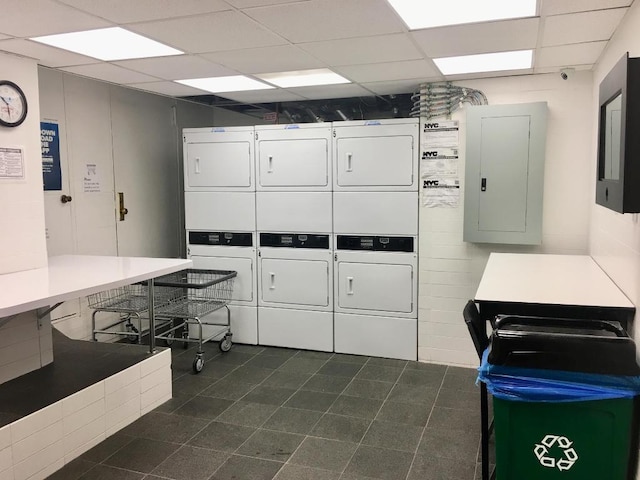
(169,339)
(134,336)
(225,343)
(185,337)
(198,364)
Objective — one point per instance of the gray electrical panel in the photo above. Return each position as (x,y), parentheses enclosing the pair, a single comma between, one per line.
(505,173)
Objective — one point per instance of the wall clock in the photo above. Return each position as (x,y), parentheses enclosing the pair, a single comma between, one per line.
(13,104)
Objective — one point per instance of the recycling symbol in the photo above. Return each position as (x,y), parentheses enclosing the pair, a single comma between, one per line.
(564,463)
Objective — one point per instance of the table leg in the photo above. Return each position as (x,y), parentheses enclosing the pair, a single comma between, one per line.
(152,318)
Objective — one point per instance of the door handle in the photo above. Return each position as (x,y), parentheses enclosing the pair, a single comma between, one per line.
(270,164)
(349,162)
(483,185)
(122,210)
(65,198)
(197,166)
(273,281)
(349,285)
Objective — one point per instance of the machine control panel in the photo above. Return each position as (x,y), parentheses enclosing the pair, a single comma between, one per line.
(294,240)
(375,243)
(233,239)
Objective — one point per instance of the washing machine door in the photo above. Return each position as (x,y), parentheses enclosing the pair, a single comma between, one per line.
(375,287)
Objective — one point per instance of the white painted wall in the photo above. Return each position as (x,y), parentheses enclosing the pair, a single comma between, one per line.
(22,241)
(450,269)
(615,238)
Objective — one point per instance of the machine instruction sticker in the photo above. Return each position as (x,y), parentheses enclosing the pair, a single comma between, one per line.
(439,163)
(440,191)
(439,134)
(12,163)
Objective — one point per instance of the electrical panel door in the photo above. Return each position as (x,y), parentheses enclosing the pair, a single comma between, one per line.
(375,287)
(294,282)
(376,155)
(243,283)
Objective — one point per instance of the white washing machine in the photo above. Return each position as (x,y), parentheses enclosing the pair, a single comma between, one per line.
(295,285)
(376,289)
(215,250)
(219,159)
(293,157)
(376,155)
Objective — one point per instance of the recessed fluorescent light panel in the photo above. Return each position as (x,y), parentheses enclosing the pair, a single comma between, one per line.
(109,44)
(486,62)
(235,83)
(303,78)
(428,14)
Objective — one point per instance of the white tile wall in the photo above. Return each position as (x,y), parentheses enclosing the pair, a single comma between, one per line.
(35,446)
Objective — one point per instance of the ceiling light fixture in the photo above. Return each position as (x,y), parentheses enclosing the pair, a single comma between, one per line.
(304,78)
(455,12)
(485,62)
(234,83)
(108,44)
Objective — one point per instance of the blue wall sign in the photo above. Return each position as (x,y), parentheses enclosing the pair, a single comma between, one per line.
(50,140)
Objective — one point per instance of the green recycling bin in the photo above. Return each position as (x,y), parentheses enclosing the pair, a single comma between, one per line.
(565,399)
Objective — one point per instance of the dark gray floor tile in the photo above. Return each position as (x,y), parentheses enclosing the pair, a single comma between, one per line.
(247,468)
(387,362)
(234,357)
(314,354)
(395,436)
(191,384)
(167,427)
(460,378)
(104,472)
(433,368)
(340,369)
(267,361)
(271,445)
(174,403)
(339,427)
(461,399)
(72,470)
(228,389)
(280,352)
(346,358)
(269,395)
(453,444)
(296,472)
(106,448)
(307,400)
(191,463)
(418,394)
(247,413)
(141,455)
(426,378)
(302,365)
(213,368)
(222,436)
(326,383)
(245,348)
(405,413)
(204,407)
(247,374)
(356,406)
(379,373)
(380,463)
(322,453)
(292,420)
(438,468)
(368,389)
(453,419)
(287,379)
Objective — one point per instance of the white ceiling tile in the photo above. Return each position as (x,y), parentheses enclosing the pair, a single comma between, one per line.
(472,76)
(554,70)
(520,34)
(382,72)
(396,87)
(581,27)
(575,54)
(2,36)
(127,11)
(262,96)
(282,58)
(321,92)
(209,33)
(110,73)
(177,67)
(44,54)
(30,18)
(317,20)
(353,51)
(168,88)
(259,3)
(557,7)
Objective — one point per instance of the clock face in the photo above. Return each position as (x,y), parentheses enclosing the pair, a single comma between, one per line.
(13,104)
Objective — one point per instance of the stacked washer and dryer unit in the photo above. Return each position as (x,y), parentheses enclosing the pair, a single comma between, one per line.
(327,252)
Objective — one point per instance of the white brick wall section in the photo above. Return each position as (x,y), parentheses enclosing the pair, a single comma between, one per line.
(38,466)
(81,439)
(20,429)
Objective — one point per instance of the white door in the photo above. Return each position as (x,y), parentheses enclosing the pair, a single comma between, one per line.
(294,282)
(243,284)
(375,287)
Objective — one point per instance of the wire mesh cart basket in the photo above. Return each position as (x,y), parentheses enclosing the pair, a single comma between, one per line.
(201,292)
(132,303)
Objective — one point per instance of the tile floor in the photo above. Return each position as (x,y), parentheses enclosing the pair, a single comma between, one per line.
(259,413)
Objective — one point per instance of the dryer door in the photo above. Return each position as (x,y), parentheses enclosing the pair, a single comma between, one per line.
(218,164)
(294,282)
(293,163)
(375,287)
(243,283)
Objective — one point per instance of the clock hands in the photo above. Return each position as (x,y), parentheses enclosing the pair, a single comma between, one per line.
(8,107)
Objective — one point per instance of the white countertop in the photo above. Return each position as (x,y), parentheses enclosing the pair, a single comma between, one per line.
(548,279)
(74,276)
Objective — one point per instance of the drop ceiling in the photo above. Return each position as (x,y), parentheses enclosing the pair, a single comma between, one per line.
(362,40)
